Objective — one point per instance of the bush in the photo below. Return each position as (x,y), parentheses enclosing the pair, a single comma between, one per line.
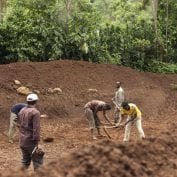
(161,67)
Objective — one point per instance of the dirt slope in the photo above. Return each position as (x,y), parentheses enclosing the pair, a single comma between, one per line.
(74,78)
(66,121)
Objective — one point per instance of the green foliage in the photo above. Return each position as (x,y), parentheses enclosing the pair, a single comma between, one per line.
(101,31)
(31,30)
(161,67)
(167,25)
(81,32)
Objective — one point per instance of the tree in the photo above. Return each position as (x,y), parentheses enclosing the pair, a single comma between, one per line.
(136,33)
(32,29)
(2,9)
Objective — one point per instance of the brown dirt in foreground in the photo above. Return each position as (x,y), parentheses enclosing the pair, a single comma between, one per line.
(153,157)
(67,125)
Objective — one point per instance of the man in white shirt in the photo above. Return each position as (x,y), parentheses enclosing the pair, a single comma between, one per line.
(118,99)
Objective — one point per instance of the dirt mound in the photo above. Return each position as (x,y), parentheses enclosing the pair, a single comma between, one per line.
(74,78)
(68,127)
(154,157)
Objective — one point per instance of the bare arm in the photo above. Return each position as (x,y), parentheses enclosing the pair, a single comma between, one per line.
(131,119)
(106,117)
(124,123)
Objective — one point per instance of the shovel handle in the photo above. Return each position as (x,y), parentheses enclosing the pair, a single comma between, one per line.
(106,132)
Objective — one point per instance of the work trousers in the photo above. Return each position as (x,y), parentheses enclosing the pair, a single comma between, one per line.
(138,125)
(92,118)
(27,157)
(116,114)
(13,125)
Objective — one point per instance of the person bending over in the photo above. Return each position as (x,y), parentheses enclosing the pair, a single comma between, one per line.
(133,115)
(91,111)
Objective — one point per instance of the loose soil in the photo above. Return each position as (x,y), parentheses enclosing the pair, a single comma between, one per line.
(66,123)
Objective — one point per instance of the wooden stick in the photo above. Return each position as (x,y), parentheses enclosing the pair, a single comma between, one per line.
(106,132)
(109,127)
(105,123)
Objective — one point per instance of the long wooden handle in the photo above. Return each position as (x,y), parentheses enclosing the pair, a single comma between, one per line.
(110,127)
(106,132)
(130,120)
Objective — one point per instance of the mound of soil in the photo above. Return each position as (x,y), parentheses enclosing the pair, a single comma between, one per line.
(154,157)
(147,90)
(68,127)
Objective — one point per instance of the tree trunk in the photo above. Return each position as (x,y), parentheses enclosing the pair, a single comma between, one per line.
(2,8)
(167,16)
(68,7)
(154,5)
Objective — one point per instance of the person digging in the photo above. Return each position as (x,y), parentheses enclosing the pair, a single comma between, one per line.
(133,114)
(91,110)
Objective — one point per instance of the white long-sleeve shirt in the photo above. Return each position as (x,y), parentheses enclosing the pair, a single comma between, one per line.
(119,97)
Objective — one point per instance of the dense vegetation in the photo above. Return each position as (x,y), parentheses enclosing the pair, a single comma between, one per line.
(137,33)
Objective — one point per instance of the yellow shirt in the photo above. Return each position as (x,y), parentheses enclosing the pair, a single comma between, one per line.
(134,111)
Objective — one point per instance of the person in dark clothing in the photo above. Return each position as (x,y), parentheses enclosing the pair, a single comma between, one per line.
(29,128)
(13,120)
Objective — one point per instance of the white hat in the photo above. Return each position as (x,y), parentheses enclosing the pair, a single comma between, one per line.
(118,82)
(32,97)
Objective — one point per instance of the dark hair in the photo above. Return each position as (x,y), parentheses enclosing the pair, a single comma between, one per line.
(125,104)
(31,102)
(107,106)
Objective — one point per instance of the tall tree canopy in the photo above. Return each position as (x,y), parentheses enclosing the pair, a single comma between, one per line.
(137,33)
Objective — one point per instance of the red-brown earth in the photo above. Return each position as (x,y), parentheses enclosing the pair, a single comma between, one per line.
(66,123)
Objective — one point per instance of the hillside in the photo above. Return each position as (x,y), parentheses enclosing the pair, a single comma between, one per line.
(66,122)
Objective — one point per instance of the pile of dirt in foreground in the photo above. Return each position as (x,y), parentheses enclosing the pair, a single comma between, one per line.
(154,157)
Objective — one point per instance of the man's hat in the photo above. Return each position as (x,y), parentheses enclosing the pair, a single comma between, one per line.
(118,82)
(32,97)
